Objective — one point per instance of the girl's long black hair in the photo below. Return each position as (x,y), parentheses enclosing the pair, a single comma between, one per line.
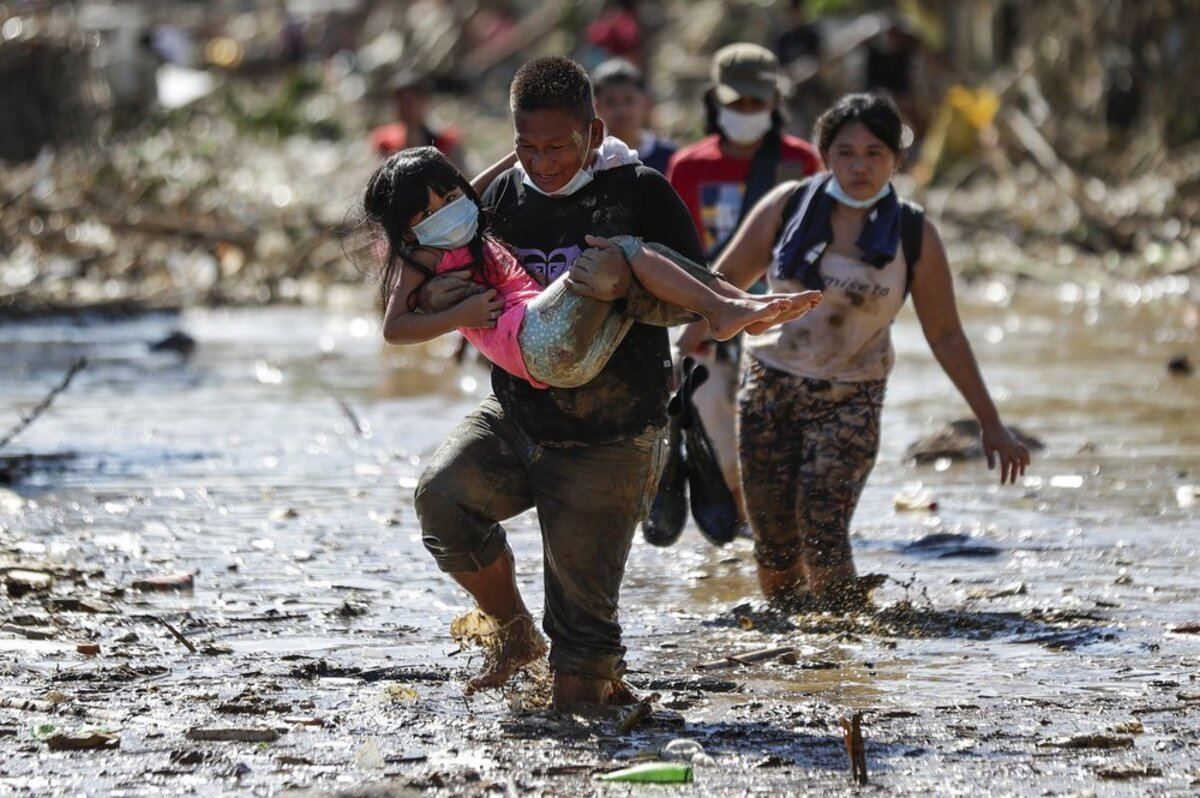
(399,190)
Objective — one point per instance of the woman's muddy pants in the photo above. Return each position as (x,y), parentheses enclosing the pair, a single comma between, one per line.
(806,448)
(589,500)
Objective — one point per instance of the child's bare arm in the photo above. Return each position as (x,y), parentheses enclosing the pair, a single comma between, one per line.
(403,326)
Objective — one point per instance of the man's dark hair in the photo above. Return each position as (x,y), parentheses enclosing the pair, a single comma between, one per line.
(552,83)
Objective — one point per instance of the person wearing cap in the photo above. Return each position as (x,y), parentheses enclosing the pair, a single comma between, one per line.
(745,154)
(413,126)
(812,390)
(624,103)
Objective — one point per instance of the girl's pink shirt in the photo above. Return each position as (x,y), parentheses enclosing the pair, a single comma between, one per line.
(502,272)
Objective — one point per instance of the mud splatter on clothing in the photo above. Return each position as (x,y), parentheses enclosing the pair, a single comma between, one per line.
(806,448)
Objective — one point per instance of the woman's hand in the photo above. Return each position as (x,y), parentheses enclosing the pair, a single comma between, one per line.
(479,310)
(694,339)
(999,443)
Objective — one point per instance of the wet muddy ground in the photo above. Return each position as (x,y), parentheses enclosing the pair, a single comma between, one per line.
(1024,644)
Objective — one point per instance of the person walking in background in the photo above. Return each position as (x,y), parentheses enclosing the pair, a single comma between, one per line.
(896,65)
(743,156)
(813,390)
(618,32)
(624,103)
(800,49)
(410,94)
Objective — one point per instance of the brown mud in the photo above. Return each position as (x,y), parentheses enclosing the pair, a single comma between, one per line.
(1031,639)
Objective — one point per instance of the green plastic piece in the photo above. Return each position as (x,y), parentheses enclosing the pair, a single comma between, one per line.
(652,773)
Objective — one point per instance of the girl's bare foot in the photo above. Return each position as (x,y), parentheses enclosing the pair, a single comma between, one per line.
(517,644)
(735,315)
(798,304)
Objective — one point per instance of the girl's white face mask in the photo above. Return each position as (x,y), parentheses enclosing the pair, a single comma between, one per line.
(451,226)
(743,128)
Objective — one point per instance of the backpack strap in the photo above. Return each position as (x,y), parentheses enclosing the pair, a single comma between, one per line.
(912,233)
(793,200)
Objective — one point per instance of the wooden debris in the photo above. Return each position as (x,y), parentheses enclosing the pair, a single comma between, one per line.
(88,649)
(83,741)
(19,582)
(641,711)
(180,580)
(261,734)
(73,604)
(1126,772)
(31,632)
(175,633)
(855,749)
(26,704)
(1187,629)
(749,657)
(1081,741)
(959,440)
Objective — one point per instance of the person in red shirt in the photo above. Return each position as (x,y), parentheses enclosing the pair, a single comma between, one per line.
(413,127)
(744,125)
(720,178)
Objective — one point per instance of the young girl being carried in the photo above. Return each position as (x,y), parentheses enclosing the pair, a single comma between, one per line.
(430,217)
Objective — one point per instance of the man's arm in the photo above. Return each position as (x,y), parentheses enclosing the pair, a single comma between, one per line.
(482,181)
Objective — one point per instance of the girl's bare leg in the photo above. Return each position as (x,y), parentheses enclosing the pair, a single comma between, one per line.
(727,316)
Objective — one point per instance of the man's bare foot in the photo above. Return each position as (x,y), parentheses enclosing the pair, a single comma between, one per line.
(517,644)
(572,690)
(798,304)
(735,315)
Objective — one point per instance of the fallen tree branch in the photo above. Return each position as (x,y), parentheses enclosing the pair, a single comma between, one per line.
(745,659)
(175,633)
(43,405)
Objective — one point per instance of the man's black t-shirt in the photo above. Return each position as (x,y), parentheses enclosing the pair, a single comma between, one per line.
(630,395)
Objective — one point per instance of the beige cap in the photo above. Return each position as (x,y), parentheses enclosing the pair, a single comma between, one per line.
(745,70)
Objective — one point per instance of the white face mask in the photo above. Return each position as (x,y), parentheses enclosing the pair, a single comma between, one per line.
(451,226)
(834,189)
(581,179)
(743,128)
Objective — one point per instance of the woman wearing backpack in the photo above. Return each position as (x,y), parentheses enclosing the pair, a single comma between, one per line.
(812,389)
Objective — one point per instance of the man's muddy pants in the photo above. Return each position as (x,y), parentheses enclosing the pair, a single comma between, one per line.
(589,500)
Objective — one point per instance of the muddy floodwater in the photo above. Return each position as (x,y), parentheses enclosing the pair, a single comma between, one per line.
(1031,640)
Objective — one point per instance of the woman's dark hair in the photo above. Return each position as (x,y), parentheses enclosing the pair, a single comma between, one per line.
(876,112)
(397,192)
(712,110)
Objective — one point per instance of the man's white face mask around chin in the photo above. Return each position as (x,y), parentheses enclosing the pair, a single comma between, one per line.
(581,179)
(742,128)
